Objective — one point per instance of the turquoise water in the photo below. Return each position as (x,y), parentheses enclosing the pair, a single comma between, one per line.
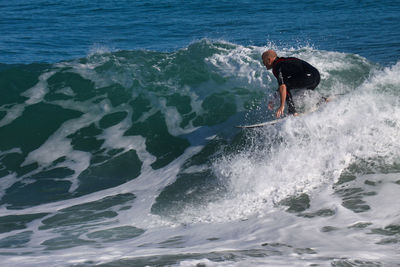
(118,145)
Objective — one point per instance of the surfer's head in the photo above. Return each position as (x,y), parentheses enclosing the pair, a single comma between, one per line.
(268,58)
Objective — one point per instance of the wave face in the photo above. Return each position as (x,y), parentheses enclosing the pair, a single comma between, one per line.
(135,152)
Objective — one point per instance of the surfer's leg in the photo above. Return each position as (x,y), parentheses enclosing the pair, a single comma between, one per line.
(290,104)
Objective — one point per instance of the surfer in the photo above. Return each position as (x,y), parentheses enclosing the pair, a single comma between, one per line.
(291,73)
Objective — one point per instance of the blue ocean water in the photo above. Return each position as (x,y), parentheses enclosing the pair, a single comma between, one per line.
(118,144)
(50,31)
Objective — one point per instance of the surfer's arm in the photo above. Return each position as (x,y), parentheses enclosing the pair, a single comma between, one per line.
(282,93)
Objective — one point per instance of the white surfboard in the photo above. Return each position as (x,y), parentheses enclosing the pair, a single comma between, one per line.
(261,124)
(267,123)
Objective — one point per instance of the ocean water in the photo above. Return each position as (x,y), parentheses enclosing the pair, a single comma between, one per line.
(118,145)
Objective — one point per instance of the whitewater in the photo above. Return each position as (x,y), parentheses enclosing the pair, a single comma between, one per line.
(131,158)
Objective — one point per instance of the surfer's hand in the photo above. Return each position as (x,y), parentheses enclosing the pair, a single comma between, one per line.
(271,105)
(280,110)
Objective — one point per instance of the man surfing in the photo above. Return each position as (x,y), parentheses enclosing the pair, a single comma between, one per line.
(292,73)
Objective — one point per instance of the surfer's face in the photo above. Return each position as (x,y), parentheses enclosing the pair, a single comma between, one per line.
(268,62)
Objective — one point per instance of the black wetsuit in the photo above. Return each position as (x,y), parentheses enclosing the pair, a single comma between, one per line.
(295,74)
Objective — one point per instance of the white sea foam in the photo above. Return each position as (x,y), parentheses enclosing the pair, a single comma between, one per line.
(316,149)
(34,94)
